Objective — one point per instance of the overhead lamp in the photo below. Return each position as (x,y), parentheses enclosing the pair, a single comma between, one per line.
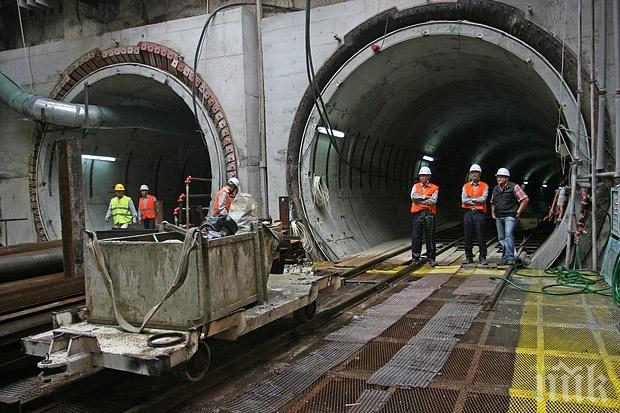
(544,185)
(332,132)
(428,158)
(99,158)
(525,182)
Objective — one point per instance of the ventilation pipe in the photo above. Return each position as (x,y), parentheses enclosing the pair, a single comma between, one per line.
(74,115)
(577,133)
(616,16)
(600,140)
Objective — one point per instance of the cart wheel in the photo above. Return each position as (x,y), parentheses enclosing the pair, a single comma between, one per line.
(195,369)
(305,314)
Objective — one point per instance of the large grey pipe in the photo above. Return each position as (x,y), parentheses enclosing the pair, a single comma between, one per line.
(616,16)
(22,266)
(73,115)
(600,136)
(577,133)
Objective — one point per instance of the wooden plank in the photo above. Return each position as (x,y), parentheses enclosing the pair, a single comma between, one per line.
(37,291)
(71,191)
(29,247)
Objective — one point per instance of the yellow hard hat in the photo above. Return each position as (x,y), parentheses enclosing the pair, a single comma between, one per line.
(119,187)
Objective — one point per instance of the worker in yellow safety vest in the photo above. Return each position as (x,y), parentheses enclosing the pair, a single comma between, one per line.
(223,198)
(121,209)
(423,209)
(147,208)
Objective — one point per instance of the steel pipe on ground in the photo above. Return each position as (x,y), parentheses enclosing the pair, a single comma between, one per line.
(28,265)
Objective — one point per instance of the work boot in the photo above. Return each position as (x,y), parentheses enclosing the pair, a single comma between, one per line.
(469,261)
(483,261)
(432,263)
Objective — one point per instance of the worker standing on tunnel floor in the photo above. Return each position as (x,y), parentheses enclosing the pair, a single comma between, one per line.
(507,202)
(423,209)
(223,197)
(147,208)
(474,200)
(121,209)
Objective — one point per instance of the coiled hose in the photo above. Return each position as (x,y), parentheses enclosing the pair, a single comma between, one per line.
(574,281)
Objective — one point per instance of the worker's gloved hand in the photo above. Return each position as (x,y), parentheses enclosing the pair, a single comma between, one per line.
(107,219)
(135,220)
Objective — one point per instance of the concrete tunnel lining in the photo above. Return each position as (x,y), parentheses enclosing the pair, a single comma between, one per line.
(159,159)
(498,99)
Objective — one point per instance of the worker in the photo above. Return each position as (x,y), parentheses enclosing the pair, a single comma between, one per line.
(223,197)
(147,208)
(423,209)
(121,209)
(558,205)
(508,201)
(474,200)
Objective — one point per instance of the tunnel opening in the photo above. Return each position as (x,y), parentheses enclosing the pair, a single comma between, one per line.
(454,92)
(160,159)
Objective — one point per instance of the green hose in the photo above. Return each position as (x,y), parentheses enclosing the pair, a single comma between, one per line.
(571,282)
(615,285)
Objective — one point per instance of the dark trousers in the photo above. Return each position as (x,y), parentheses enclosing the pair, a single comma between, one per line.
(149,223)
(474,228)
(423,221)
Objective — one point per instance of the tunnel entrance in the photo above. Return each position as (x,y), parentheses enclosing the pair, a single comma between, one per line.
(160,159)
(454,91)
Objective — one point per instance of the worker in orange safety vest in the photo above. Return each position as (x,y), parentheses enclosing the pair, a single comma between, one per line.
(147,208)
(223,198)
(423,210)
(474,201)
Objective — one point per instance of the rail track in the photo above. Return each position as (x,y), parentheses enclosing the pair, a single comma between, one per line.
(371,280)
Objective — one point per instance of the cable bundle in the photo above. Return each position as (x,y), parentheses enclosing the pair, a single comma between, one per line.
(299,230)
(320,193)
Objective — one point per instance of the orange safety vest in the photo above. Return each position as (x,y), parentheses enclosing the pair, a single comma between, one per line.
(147,207)
(475,192)
(428,191)
(216,202)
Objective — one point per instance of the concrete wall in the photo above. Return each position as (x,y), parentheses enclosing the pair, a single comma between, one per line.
(226,64)
(285,70)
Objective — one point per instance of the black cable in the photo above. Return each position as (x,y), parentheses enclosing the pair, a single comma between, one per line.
(202,37)
(318,98)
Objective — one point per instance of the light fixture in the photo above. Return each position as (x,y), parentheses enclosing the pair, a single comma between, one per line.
(334,132)
(525,182)
(428,158)
(99,158)
(544,185)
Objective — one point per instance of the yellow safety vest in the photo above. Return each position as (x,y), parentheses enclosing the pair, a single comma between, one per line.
(121,214)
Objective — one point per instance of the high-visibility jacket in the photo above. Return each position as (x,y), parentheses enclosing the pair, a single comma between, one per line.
(146,205)
(222,201)
(427,191)
(121,213)
(475,191)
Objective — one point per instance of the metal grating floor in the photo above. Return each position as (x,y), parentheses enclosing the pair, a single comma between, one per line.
(534,353)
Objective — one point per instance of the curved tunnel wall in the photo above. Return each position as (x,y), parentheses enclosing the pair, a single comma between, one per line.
(457,91)
(133,76)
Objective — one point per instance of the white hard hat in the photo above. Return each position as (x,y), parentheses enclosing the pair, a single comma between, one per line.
(144,188)
(475,168)
(503,172)
(425,170)
(234,181)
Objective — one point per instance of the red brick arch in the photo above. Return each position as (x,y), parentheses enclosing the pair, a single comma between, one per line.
(149,54)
